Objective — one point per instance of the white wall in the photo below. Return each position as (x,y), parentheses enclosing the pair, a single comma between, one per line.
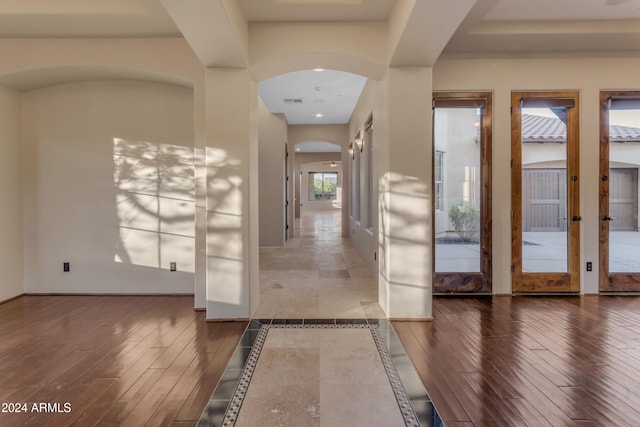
(589,75)
(272,137)
(11,284)
(109,187)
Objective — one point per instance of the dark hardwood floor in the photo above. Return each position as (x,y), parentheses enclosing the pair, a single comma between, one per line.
(536,361)
(501,361)
(131,361)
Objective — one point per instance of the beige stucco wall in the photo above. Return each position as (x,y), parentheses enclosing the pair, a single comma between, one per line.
(11,258)
(109,187)
(272,137)
(370,103)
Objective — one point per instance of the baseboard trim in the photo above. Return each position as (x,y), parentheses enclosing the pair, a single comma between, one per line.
(411,319)
(71,294)
(12,298)
(237,319)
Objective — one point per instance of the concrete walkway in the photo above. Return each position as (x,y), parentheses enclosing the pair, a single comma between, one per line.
(543,252)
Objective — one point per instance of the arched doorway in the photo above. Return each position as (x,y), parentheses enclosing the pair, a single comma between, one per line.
(318,272)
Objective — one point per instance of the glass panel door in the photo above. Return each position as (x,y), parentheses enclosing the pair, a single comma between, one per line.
(545,199)
(619,163)
(461,189)
(544,190)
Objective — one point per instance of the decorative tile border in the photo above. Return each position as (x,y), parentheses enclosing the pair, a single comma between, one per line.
(409,415)
(233,410)
(416,407)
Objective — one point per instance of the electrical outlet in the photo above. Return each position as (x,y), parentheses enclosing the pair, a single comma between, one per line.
(66,267)
(589,266)
(172,266)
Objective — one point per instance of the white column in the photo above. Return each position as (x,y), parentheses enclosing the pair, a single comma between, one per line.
(405,223)
(200,279)
(231,158)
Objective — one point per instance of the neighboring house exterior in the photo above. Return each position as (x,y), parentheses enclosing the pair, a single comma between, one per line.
(457,182)
(545,182)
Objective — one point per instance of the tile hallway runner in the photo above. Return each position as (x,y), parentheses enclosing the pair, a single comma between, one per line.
(319,372)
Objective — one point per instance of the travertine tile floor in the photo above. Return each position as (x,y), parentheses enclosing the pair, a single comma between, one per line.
(304,377)
(312,377)
(317,274)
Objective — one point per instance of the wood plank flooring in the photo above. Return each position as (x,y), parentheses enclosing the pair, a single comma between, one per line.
(117,360)
(502,361)
(530,361)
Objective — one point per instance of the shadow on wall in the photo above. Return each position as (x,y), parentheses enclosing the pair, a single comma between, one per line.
(406,223)
(227,223)
(155,204)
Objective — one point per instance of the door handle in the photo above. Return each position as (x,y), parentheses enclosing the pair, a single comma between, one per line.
(576,218)
(609,218)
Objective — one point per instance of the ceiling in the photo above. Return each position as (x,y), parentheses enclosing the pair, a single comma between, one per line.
(491,27)
(85,18)
(317,147)
(304,95)
(548,26)
(496,25)
(316,10)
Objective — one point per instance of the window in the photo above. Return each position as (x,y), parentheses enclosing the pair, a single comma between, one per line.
(323,185)
(439,193)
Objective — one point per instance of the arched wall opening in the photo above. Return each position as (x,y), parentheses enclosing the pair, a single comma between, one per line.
(340,135)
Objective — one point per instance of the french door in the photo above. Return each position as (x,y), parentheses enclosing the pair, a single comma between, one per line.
(619,163)
(462,192)
(545,188)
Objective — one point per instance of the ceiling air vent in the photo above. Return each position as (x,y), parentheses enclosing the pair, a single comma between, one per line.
(293,100)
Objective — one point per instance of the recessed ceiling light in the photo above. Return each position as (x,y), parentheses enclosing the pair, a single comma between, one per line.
(319,70)
(319,115)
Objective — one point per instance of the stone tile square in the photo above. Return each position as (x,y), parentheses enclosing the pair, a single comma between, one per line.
(285,405)
(285,366)
(368,406)
(358,371)
(227,384)
(292,338)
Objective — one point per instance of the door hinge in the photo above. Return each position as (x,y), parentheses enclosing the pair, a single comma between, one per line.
(512,215)
(513,268)
(511,162)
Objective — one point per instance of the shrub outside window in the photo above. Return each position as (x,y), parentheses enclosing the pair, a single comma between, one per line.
(323,185)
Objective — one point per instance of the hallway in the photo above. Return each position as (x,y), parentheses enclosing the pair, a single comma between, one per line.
(319,350)
(317,274)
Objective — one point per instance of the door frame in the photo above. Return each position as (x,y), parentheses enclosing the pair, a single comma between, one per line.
(461,282)
(523,282)
(610,282)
